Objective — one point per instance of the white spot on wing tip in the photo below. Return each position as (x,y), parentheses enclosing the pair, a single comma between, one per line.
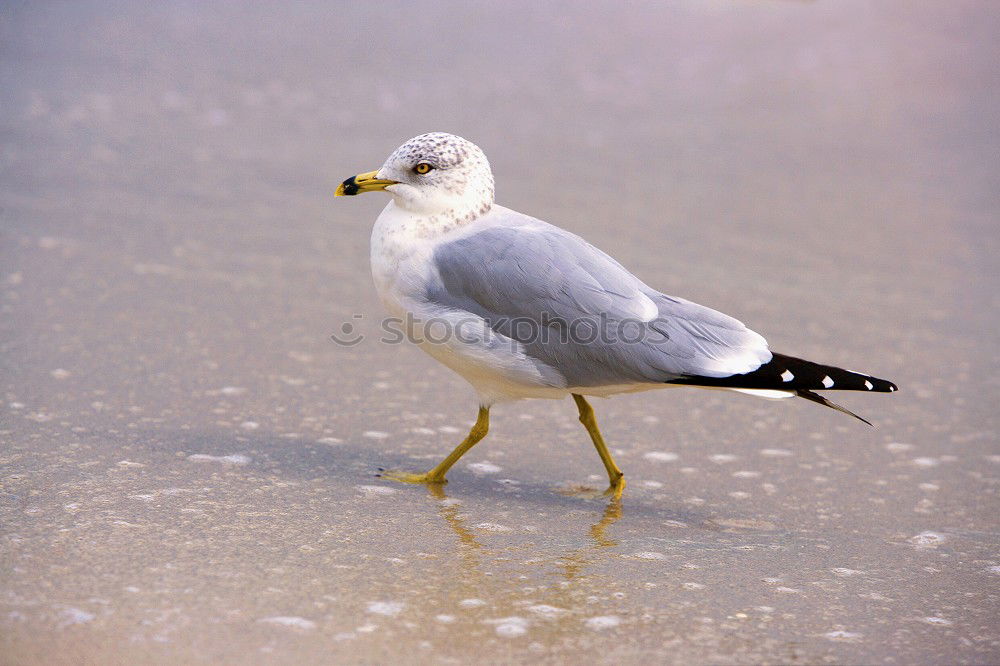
(868,385)
(787,376)
(827,382)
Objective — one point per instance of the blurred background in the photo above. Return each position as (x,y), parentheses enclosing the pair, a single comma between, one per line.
(187,457)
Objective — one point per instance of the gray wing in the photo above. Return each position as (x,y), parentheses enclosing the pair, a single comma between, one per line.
(577,310)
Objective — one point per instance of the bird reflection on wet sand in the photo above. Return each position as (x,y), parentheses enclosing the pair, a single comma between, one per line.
(572,565)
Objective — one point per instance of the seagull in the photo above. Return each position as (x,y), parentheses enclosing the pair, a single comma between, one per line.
(524,309)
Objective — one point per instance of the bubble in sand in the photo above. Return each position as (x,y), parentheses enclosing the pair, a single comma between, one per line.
(775,453)
(74,616)
(375,434)
(939,621)
(841,635)
(291,621)
(927,540)
(649,555)
(898,447)
(493,527)
(481,468)
(722,458)
(510,627)
(546,611)
(471,603)
(387,608)
(602,622)
(232,459)
(660,456)
(844,572)
(376,490)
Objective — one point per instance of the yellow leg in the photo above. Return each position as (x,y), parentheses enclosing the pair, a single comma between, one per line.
(436,475)
(615,475)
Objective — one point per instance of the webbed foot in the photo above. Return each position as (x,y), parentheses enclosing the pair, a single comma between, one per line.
(409,477)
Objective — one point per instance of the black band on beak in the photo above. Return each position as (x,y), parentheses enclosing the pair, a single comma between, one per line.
(350,186)
(361,183)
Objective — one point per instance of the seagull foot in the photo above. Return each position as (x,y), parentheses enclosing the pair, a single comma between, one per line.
(409,477)
(616,489)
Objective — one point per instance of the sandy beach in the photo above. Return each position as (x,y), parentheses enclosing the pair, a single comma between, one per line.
(187,458)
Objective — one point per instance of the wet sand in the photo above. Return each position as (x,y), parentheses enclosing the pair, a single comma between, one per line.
(187,459)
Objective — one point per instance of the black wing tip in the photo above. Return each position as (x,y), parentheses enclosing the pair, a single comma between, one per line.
(787,373)
(880,385)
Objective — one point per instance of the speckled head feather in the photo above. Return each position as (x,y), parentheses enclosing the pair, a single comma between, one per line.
(458,187)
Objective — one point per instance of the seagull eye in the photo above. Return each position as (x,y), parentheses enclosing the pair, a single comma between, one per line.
(423,168)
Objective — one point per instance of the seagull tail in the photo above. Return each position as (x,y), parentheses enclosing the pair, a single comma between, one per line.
(787,373)
(797,376)
(816,397)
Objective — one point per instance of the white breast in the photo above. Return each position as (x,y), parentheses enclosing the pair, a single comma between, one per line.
(400,258)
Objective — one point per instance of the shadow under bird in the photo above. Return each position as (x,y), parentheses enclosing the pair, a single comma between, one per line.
(523,309)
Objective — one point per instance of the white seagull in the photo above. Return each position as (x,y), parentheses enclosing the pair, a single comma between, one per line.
(523,309)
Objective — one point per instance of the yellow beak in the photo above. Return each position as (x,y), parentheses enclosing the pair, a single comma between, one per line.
(363,182)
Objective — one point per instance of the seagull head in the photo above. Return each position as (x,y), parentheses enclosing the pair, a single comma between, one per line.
(432,174)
